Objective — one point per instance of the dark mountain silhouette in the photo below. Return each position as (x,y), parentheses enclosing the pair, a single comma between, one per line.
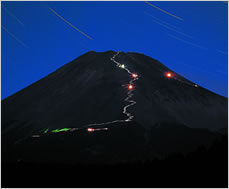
(88,90)
(171,115)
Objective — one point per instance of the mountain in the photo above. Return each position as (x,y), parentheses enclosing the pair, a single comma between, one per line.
(164,113)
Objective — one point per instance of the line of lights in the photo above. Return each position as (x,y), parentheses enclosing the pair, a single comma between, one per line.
(127,99)
(130,87)
(172,75)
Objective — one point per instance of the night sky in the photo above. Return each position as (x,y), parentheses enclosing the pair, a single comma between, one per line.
(188,37)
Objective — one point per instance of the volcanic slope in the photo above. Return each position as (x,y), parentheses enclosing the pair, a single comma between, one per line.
(91,89)
(88,105)
(121,109)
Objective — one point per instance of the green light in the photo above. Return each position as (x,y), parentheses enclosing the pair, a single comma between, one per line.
(60,130)
(46,130)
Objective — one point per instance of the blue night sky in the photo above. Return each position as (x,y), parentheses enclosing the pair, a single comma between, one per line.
(190,38)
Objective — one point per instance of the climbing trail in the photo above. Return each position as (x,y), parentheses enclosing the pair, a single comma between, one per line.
(130,87)
(128,99)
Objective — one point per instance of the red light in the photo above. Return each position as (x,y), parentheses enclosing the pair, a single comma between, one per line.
(169,74)
(90,130)
(130,87)
(134,75)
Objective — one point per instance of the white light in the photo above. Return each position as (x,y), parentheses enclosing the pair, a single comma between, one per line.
(90,130)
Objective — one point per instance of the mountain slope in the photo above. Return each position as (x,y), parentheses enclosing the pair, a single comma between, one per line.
(157,116)
(89,90)
(151,131)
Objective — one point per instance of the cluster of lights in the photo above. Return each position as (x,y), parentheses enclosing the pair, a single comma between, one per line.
(133,75)
(130,87)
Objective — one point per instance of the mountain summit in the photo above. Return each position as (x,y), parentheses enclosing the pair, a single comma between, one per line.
(102,91)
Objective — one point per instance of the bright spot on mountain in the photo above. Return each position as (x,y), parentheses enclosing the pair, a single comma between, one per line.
(130,87)
(90,130)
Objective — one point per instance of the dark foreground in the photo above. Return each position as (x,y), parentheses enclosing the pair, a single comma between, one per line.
(202,168)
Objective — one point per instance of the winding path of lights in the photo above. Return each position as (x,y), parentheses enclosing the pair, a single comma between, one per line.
(128,99)
(130,87)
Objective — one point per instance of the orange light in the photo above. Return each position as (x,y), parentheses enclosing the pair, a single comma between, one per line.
(130,87)
(90,130)
(134,75)
(168,74)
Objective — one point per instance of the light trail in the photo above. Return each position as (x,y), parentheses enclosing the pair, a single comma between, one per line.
(61,130)
(70,24)
(172,29)
(118,64)
(171,75)
(106,123)
(12,35)
(187,42)
(187,83)
(128,99)
(93,130)
(130,117)
(222,52)
(36,136)
(12,15)
(164,11)
(159,20)
(125,112)
(129,94)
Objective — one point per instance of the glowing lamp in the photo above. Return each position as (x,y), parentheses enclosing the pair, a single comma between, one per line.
(90,130)
(122,66)
(134,75)
(169,74)
(130,87)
